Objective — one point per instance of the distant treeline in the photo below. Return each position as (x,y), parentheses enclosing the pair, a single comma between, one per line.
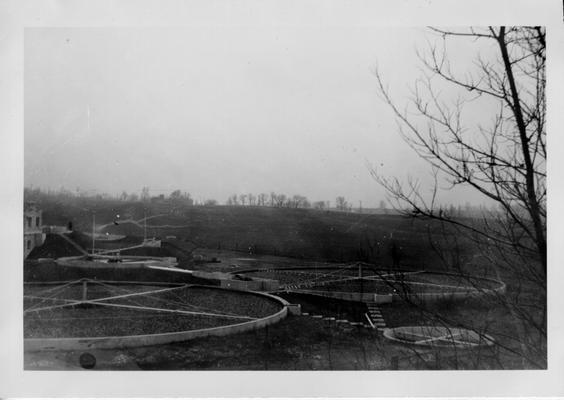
(184,198)
(272,199)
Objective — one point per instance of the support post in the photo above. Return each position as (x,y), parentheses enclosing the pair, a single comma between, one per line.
(84,290)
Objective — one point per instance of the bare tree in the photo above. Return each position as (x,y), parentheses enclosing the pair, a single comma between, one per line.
(232,200)
(261,199)
(503,158)
(341,204)
(145,194)
(176,195)
(319,205)
(299,201)
(280,200)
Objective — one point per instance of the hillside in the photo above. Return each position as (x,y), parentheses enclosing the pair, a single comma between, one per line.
(54,246)
(299,233)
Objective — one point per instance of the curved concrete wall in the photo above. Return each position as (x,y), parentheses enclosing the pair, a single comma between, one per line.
(159,338)
(143,261)
(465,293)
(482,339)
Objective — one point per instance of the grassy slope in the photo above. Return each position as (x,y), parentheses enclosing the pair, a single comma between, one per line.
(54,247)
(307,234)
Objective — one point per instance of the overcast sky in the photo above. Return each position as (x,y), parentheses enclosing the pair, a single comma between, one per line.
(217,111)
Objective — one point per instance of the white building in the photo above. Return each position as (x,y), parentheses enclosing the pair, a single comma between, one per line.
(33,232)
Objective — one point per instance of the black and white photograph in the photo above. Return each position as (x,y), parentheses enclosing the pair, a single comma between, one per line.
(264,196)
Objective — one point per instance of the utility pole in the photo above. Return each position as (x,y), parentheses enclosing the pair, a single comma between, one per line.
(93,231)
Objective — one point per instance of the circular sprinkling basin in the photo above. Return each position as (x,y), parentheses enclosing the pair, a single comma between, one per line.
(88,313)
(351,282)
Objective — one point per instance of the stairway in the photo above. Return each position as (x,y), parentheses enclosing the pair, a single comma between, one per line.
(376,316)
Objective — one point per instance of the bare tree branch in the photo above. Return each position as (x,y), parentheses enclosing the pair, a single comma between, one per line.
(504,159)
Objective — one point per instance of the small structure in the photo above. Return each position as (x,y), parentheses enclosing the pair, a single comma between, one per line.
(152,242)
(33,231)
